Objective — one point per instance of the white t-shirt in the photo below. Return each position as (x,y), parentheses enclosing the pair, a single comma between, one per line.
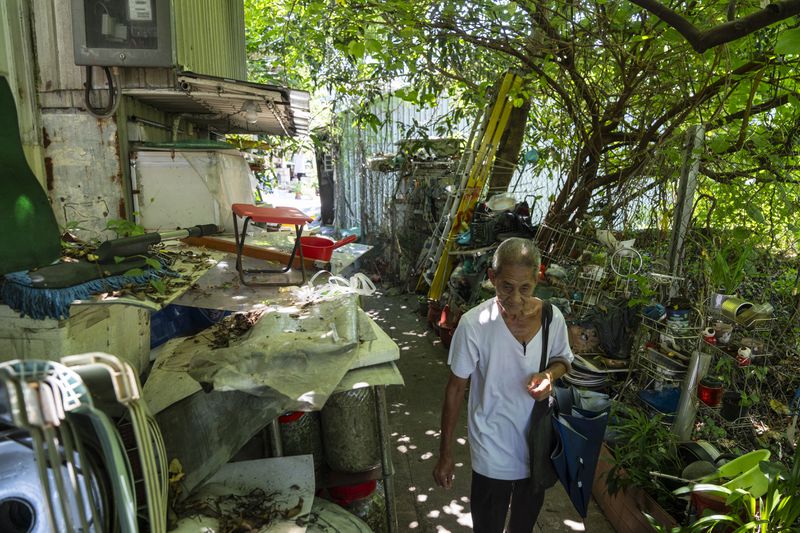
(500,406)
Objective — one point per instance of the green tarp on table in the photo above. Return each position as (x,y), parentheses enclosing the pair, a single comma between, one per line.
(29,235)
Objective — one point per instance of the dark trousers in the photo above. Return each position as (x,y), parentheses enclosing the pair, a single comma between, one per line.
(490,498)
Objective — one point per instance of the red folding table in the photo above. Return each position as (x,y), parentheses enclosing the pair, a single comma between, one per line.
(268,215)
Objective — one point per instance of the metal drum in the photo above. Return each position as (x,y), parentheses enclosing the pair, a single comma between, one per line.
(372,509)
(350,432)
(733,307)
(301,434)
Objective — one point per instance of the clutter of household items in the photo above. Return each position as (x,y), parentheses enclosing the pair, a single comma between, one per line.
(219,376)
(254,398)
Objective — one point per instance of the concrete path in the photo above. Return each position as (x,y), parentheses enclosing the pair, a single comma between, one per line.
(414,427)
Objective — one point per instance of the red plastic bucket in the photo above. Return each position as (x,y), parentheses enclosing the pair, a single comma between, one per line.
(321,248)
(344,495)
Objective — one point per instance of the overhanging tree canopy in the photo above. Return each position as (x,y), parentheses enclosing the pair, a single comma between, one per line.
(610,86)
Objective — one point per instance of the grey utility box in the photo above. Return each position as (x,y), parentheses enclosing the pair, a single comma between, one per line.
(131,33)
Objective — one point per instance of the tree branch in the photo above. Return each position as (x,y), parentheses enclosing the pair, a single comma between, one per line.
(776,102)
(725,32)
(750,173)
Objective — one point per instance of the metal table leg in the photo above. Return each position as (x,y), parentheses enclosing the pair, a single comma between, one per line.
(387,467)
(275,442)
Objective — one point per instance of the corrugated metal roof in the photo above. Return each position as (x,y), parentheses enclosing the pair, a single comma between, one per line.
(209,37)
(225,105)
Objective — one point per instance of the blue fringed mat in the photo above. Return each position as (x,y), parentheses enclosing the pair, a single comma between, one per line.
(24,294)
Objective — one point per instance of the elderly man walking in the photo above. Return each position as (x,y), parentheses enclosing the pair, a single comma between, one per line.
(498,346)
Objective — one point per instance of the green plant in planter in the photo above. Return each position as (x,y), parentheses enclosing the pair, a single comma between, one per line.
(726,268)
(644,293)
(642,444)
(776,511)
(724,370)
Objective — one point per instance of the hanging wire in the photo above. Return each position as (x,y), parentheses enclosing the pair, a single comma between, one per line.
(113,94)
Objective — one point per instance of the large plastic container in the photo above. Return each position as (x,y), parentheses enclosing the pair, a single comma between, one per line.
(350,431)
(122,330)
(745,473)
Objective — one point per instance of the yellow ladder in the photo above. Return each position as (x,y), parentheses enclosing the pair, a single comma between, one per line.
(479,174)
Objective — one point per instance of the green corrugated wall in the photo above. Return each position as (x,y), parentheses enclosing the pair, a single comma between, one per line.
(209,37)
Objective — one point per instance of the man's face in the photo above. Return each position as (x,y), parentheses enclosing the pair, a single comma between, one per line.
(514,286)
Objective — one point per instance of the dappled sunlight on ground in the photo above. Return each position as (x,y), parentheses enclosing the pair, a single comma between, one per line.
(414,418)
(575,526)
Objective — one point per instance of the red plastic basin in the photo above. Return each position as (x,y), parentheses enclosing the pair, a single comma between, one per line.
(321,248)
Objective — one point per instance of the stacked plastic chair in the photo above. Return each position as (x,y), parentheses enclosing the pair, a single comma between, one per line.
(59,421)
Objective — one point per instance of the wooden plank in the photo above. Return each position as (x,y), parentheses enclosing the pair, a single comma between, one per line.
(54,47)
(258,252)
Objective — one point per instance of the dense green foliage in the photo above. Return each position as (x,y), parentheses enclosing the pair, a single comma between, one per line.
(612,89)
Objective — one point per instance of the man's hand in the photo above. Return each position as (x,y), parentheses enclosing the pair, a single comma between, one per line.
(540,385)
(443,471)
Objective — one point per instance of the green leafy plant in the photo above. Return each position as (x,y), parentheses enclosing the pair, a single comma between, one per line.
(124,228)
(642,444)
(749,399)
(726,267)
(644,291)
(776,511)
(156,283)
(724,370)
(709,429)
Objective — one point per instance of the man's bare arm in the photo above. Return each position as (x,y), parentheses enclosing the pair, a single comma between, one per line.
(453,398)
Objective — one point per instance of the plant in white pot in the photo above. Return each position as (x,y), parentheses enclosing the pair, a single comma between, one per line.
(726,268)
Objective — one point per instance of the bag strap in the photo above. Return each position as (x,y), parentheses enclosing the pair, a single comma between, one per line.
(547,317)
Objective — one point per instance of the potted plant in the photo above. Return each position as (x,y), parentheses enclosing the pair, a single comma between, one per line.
(774,510)
(736,405)
(726,270)
(725,371)
(624,486)
(297,188)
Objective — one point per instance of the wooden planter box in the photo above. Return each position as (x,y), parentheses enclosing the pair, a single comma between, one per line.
(624,509)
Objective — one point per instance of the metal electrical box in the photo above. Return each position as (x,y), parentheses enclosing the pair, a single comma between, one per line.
(131,33)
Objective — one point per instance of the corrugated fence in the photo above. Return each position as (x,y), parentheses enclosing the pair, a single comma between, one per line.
(363,195)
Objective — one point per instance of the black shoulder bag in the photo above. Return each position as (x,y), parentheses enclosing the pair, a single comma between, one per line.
(542,438)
